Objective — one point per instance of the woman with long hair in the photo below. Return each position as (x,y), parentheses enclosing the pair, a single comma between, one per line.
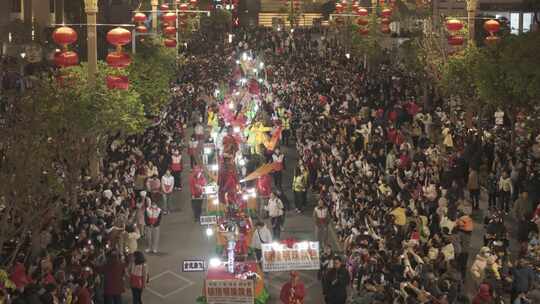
(138,276)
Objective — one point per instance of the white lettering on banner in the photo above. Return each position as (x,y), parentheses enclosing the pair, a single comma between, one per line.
(208,219)
(279,257)
(230,292)
(194,266)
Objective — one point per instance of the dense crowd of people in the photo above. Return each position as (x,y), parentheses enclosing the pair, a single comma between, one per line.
(399,178)
(94,252)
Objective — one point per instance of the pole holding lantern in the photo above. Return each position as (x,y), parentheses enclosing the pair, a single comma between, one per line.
(91,9)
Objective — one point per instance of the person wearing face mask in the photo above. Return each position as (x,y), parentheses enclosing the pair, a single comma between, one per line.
(152,218)
(167,187)
(197,181)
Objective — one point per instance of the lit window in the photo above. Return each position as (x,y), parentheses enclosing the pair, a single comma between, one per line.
(514,23)
(527,22)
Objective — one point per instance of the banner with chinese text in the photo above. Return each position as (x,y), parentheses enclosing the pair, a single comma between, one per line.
(301,256)
(230,292)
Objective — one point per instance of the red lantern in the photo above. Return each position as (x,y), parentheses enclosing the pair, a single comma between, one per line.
(118,60)
(339,8)
(170,43)
(184,7)
(169,18)
(139,17)
(491,40)
(169,31)
(117,82)
(363,31)
(66,59)
(385,29)
(164,7)
(362,12)
(455,40)
(492,26)
(119,36)
(64,35)
(193,2)
(385,21)
(362,21)
(141,29)
(453,25)
(386,13)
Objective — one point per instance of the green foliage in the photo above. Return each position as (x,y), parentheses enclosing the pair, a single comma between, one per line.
(90,111)
(150,73)
(508,75)
(368,45)
(457,77)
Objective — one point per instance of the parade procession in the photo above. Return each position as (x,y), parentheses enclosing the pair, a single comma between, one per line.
(235,180)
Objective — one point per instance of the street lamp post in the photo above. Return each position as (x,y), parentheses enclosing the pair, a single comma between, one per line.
(91,9)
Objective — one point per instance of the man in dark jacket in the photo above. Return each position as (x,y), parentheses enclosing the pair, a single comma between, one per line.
(335,283)
(113,271)
(522,279)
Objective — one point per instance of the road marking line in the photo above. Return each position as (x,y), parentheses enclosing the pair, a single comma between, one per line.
(181,278)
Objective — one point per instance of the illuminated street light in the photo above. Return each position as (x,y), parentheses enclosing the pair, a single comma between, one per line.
(214,262)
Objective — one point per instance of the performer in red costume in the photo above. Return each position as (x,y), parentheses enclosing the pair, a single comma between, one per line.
(293,291)
(197,181)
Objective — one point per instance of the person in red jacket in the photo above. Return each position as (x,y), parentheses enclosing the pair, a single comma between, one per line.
(113,271)
(197,181)
(83,296)
(293,291)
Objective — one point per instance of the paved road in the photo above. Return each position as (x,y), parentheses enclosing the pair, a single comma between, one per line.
(182,239)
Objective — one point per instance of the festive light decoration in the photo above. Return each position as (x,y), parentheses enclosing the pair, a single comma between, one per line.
(385,21)
(363,31)
(362,12)
(139,18)
(386,13)
(119,36)
(193,2)
(491,40)
(169,31)
(455,40)
(184,7)
(169,18)
(118,60)
(141,29)
(362,21)
(117,82)
(164,7)
(64,36)
(385,29)
(492,26)
(453,25)
(66,59)
(339,8)
(170,43)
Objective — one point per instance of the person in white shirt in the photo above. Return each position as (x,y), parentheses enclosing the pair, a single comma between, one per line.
(279,158)
(275,212)
(167,187)
(261,235)
(321,218)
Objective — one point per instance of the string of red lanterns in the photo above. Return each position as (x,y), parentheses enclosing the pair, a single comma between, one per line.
(140,19)
(454,26)
(492,26)
(64,36)
(118,59)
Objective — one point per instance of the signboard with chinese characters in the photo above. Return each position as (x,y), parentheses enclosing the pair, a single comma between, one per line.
(193,266)
(301,256)
(230,292)
(208,219)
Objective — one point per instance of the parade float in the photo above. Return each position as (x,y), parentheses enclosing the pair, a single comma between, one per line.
(239,132)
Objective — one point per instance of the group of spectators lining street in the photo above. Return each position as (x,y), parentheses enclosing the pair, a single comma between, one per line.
(399,178)
(402,178)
